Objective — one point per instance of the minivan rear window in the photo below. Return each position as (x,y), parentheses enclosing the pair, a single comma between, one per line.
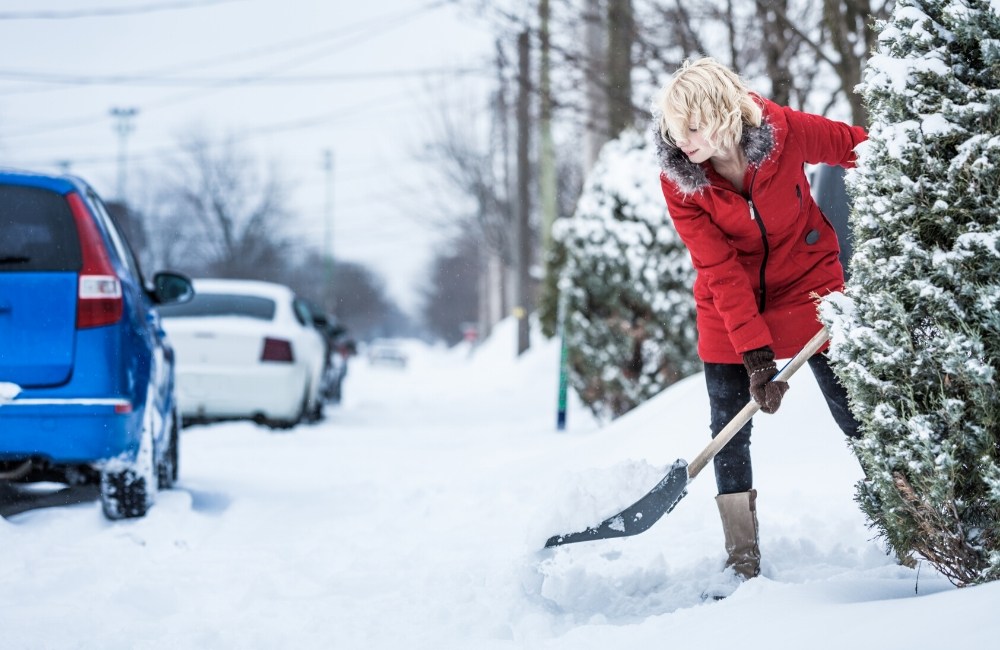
(37,231)
(220,304)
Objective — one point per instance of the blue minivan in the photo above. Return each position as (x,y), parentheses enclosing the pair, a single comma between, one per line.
(86,373)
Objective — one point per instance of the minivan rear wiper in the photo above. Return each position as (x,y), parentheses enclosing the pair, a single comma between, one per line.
(14,259)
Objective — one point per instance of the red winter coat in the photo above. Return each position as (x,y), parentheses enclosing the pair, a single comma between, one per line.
(761,256)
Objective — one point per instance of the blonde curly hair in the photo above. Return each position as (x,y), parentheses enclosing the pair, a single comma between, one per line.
(709,96)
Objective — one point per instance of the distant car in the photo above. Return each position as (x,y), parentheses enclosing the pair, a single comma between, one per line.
(86,373)
(246,350)
(386,352)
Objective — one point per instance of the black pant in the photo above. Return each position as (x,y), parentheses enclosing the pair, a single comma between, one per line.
(729,391)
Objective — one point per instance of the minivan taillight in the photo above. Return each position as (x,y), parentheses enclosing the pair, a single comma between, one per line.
(277,350)
(99,301)
(99,291)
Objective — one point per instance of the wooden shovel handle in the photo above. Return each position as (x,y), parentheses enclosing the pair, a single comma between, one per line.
(720,441)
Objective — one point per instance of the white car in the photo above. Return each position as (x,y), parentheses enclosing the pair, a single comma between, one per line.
(246,350)
(386,352)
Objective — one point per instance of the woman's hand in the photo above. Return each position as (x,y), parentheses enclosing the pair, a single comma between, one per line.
(760,367)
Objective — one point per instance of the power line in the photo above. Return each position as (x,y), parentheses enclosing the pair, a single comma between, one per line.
(360,31)
(380,25)
(375,25)
(95,12)
(365,108)
(244,80)
(384,23)
(279,127)
(300,42)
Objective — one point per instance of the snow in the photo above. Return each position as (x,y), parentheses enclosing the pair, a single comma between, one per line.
(8,391)
(414,517)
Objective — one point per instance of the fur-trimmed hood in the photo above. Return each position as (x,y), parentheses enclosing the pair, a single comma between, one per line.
(757,143)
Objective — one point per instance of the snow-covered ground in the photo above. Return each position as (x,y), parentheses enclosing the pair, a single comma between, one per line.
(414,517)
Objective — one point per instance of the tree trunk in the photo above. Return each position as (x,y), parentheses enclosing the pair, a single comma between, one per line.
(621,36)
(596,101)
(778,47)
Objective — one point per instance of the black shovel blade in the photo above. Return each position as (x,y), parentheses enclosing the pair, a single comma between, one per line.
(640,515)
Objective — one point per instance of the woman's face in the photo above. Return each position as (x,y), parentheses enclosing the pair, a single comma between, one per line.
(695,146)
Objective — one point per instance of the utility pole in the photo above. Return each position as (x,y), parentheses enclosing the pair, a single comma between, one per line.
(123,126)
(328,292)
(546,149)
(523,238)
(493,303)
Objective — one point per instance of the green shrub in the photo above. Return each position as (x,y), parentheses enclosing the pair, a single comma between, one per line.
(919,346)
(626,282)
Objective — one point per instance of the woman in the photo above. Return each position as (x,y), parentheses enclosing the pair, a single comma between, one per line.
(733,178)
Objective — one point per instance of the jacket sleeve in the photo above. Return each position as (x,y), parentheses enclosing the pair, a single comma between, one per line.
(717,266)
(822,140)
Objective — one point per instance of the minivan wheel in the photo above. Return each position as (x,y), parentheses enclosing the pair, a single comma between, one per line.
(129,489)
(123,494)
(167,469)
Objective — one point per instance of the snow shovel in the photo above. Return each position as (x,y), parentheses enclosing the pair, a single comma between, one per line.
(645,512)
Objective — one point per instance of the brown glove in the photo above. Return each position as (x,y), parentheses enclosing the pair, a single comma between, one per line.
(760,367)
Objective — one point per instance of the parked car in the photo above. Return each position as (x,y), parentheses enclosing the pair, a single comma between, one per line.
(339,348)
(86,372)
(246,350)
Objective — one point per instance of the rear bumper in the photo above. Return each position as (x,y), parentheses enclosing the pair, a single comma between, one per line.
(68,431)
(273,391)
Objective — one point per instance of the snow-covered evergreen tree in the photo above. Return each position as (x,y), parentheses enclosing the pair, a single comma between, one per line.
(627,278)
(918,344)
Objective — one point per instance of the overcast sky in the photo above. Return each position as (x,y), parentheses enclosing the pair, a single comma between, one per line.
(291,79)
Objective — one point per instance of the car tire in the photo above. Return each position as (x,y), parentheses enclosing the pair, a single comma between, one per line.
(167,469)
(128,491)
(124,494)
(314,410)
(316,413)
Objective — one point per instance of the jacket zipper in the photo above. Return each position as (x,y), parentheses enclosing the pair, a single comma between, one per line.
(755,215)
(762,302)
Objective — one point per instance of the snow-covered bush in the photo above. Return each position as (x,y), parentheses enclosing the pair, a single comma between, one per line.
(919,347)
(626,279)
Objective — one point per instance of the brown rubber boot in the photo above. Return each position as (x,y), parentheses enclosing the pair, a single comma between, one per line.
(739,523)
